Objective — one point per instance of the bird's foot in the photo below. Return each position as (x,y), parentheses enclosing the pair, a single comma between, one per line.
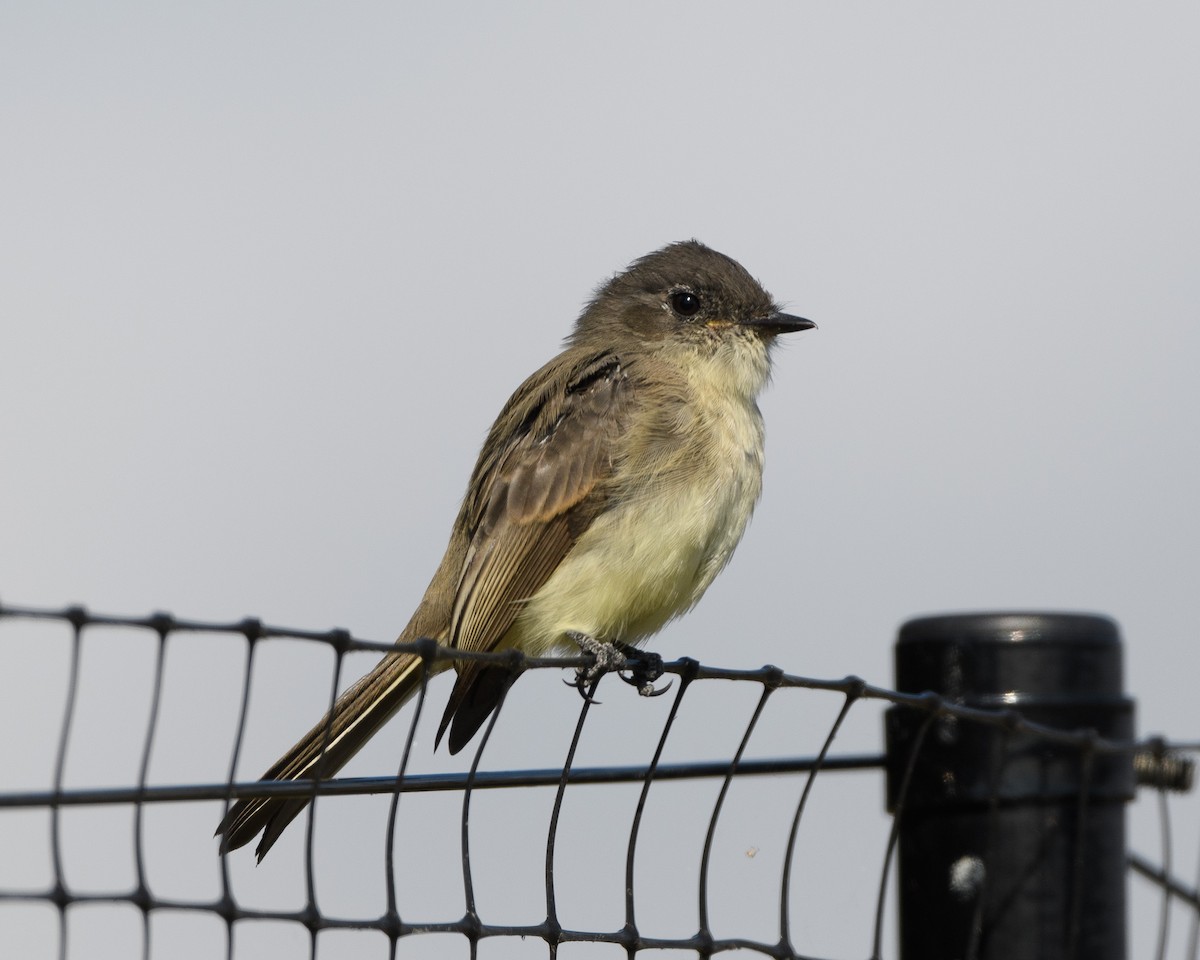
(643,668)
(636,667)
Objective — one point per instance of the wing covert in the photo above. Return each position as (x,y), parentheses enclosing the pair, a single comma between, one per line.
(537,496)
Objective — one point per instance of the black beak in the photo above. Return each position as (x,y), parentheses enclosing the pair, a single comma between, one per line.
(781,323)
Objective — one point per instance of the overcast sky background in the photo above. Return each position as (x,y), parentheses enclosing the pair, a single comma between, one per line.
(270,270)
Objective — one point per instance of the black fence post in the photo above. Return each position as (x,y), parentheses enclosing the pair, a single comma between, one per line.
(1010,847)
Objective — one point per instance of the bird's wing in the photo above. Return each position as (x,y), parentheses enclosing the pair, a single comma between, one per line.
(531,500)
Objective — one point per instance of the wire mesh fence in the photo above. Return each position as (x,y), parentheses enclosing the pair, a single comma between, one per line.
(704,843)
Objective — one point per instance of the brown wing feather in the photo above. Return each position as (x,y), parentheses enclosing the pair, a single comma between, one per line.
(532,502)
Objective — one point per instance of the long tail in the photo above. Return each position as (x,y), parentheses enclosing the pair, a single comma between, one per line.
(325,749)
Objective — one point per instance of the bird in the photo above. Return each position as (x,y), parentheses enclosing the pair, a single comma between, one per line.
(611,490)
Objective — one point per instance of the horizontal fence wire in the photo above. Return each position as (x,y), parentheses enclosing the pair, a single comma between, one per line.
(1158,762)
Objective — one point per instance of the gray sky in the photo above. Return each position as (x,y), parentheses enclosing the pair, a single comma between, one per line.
(270,271)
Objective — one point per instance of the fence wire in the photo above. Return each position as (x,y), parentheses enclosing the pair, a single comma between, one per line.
(62,930)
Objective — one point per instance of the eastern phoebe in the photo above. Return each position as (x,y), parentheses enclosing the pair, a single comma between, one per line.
(609,493)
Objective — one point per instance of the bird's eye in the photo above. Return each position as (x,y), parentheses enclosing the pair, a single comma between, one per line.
(685,303)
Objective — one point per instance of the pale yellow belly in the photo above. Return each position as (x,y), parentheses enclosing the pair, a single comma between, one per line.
(643,562)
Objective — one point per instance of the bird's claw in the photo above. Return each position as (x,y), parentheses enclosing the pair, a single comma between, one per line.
(580,683)
(643,669)
(635,667)
(606,657)
(649,689)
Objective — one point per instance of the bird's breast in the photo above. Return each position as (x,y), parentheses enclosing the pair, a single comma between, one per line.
(683,492)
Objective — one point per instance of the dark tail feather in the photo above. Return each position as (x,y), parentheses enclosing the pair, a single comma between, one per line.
(477,692)
(325,749)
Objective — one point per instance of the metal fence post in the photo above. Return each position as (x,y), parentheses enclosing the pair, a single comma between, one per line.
(1010,847)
